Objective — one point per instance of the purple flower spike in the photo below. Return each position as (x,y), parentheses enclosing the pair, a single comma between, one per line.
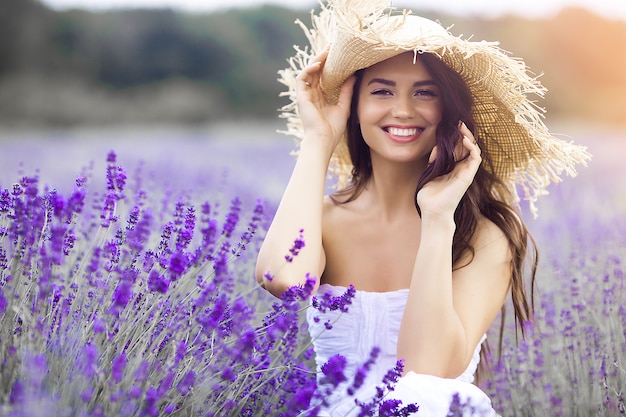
(150,404)
(89,360)
(142,371)
(158,282)
(17,393)
(3,303)
(181,351)
(118,366)
(94,263)
(232,218)
(298,244)
(139,229)
(99,325)
(391,408)
(393,375)
(361,372)
(248,235)
(68,242)
(116,181)
(121,296)
(328,302)
(228,374)
(186,383)
(87,394)
(179,261)
(134,392)
(333,370)
(5,201)
(166,383)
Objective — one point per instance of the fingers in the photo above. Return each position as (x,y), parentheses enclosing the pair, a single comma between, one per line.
(472,147)
(309,77)
(465,132)
(468,144)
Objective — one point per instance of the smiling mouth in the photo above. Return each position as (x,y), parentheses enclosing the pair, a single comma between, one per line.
(403,132)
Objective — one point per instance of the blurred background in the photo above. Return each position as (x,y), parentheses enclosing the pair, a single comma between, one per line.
(68,63)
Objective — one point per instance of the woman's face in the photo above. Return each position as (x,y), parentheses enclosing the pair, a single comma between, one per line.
(399,109)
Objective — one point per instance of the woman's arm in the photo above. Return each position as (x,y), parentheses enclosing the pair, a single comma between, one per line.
(302,202)
(448,312)
(300,209)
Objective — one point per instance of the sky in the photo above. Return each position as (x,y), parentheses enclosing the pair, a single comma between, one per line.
(614,9)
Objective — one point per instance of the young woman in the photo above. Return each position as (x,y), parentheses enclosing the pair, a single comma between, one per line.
(433,133)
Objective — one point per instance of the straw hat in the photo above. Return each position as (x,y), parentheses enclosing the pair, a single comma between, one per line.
(509,125)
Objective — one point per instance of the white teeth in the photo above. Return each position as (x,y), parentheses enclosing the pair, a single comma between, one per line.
(396,131)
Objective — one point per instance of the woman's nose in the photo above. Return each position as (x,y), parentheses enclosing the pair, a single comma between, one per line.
(403,108)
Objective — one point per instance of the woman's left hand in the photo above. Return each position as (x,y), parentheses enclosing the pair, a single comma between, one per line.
(441,196)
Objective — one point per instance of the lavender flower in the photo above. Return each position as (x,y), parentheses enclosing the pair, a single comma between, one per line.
(297,246)
(138,228)
(89,360)
(158,282)
(334,369)
(361,372)
(328,302)
(232,218)
(118,366)
(3,304)
(186,383)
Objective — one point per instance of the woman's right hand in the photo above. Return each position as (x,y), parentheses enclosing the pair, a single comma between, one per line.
(320,119)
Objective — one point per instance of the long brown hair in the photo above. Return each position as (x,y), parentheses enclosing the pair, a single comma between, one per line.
(480,198)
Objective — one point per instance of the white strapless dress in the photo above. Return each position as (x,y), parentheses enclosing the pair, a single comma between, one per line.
(373,320)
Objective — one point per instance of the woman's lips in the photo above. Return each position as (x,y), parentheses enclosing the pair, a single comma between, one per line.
(403,134)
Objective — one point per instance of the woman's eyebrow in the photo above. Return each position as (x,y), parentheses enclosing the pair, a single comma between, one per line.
(393,83)
(381,81)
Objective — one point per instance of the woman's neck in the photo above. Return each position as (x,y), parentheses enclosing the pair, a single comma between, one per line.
(391,189)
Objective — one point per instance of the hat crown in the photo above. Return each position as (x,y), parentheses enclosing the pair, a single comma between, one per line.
(412,29)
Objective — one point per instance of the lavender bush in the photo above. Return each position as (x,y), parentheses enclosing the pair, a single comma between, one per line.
(130,303)
(134,300)
(572,362)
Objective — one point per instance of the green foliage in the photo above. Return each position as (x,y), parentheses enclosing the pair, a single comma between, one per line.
(236,53)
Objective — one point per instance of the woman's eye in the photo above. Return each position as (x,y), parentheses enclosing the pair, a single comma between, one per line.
(381,92)
(426,93)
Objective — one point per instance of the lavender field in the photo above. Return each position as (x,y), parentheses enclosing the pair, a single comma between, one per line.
(130,292)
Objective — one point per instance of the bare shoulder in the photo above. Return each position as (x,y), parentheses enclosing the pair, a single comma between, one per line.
(330,203)
(331,210)
(337,217)
(490,240)
(336,210)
